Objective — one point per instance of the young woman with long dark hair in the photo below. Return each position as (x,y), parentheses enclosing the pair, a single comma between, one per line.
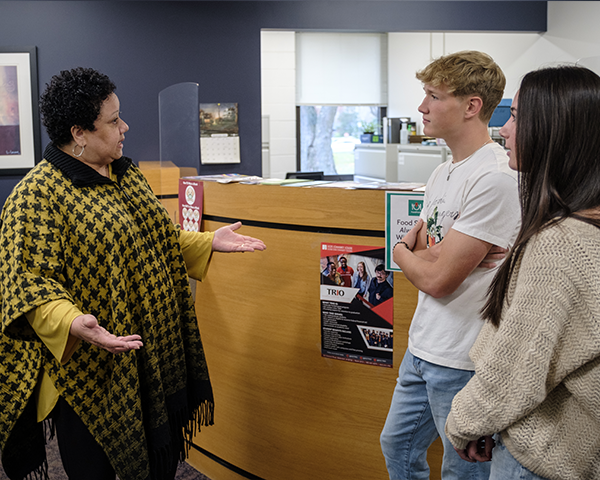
(537,382)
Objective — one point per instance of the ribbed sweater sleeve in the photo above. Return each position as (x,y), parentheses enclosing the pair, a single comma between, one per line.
(538,375)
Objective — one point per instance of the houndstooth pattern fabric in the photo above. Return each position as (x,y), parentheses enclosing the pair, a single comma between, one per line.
(111,249)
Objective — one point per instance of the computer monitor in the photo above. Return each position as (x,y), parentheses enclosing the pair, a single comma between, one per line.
(501,114)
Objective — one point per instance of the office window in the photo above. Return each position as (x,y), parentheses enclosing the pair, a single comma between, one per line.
(328,134)
(341,85)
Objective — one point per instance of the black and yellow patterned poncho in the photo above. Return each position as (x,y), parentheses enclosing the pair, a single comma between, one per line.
(110,248)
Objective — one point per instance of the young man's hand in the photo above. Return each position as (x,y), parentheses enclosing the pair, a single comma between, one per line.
(411,237)
(494,255)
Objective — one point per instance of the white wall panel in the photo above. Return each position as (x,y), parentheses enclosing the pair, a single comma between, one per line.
(573,33)
(278,91)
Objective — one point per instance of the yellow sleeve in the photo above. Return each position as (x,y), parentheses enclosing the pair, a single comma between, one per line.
(197,252)
(52,322)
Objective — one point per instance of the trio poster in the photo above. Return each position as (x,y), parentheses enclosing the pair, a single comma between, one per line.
(357,305)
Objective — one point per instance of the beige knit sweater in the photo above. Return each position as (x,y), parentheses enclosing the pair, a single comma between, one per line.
(538,375)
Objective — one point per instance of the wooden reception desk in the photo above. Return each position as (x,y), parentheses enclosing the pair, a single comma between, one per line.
(282,411)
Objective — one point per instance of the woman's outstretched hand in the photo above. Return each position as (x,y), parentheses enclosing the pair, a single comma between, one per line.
(85,327)
(226,240)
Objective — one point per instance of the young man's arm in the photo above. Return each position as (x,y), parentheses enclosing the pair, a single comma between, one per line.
(491,211)
(459,255)
(420,243)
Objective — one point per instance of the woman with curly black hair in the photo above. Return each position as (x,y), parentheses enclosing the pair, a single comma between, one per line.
(99,332)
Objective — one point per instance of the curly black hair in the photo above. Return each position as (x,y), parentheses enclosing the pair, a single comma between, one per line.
(73,97)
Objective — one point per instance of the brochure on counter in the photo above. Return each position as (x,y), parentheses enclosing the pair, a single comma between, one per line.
(406,186)
(224,178)
(299,182)
(284,181)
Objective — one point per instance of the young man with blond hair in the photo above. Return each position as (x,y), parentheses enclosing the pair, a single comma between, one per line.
(471,203)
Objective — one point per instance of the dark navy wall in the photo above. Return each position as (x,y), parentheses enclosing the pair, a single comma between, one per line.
(146,46)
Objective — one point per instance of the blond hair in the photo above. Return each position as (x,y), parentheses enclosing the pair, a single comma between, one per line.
(468,73)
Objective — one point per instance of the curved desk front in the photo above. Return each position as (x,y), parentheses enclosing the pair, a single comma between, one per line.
(282,411)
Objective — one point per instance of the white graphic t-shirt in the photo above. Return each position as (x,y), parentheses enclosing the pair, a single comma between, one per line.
(477,197)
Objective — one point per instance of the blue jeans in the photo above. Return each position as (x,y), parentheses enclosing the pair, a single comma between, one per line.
(504,465)
(417,416)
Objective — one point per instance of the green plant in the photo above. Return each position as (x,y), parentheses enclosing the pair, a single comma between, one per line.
(370,127)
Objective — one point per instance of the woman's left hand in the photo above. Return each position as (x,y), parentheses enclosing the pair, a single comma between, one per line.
(478,450)
(86,327)
(226,240)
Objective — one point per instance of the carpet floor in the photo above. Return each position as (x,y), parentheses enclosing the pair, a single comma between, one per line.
(56,471)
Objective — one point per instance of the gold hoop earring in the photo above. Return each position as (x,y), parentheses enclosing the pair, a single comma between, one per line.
(80,153)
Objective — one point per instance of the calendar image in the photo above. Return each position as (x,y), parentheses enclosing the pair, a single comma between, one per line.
(219,133)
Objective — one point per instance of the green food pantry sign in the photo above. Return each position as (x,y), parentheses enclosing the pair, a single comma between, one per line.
(402,211)
(415,207)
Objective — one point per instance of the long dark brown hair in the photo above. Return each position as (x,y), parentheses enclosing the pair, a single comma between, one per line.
(558,157)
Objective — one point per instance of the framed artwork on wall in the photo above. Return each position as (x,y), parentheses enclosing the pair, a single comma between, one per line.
(19,113)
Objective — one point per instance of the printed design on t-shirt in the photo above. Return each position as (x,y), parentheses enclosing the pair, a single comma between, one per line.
(434,230)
